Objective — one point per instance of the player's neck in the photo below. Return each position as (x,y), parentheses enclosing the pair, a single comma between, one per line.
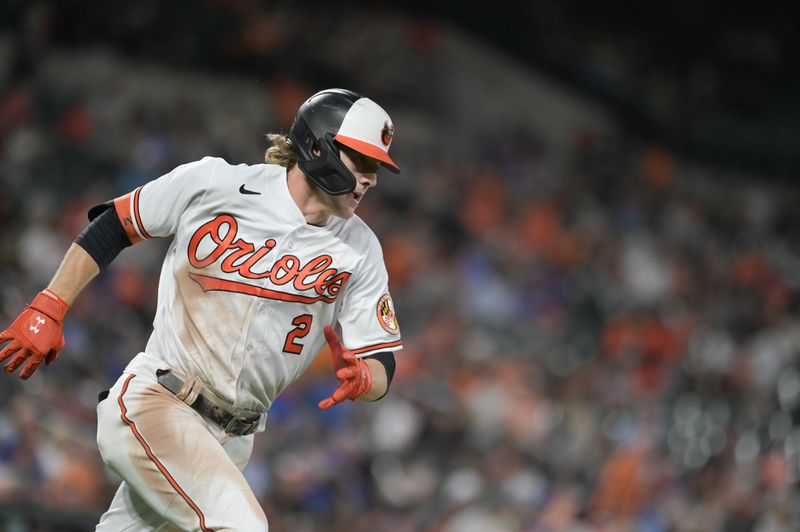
(306,198)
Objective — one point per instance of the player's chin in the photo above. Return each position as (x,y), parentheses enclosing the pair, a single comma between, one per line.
(347,208)
(346,213)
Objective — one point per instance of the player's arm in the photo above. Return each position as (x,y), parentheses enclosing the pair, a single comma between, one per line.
(98,244)
(77,269)
(381,367)
(36,336)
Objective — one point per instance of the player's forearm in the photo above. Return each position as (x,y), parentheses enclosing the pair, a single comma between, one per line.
(74,273)
(380,382)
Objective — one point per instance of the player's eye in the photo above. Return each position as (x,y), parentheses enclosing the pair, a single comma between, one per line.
(369,165)
(362,162)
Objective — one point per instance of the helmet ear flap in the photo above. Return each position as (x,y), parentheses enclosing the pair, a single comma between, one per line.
(312,132)
(327,170)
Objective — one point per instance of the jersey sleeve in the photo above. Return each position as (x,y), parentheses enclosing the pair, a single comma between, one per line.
(154,209)
(367,318)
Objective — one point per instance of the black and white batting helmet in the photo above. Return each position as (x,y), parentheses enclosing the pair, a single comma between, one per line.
(345,117)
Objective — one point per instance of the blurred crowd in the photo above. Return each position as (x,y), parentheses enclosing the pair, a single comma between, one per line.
(718,83)
(610,344)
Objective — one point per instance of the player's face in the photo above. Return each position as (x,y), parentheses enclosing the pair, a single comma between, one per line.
(366,171)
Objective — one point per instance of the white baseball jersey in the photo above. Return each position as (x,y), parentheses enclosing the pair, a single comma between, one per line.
(247,285)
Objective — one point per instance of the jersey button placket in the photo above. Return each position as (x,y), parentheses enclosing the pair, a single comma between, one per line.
(290,238)
(276,253)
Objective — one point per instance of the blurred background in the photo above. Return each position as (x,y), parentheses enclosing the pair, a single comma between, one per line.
(593,252)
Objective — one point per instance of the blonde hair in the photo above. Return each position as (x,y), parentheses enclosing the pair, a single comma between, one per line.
(280,152)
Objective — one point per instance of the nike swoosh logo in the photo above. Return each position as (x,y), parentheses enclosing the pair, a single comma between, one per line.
(245,191)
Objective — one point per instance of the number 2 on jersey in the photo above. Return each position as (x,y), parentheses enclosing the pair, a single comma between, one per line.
(302,328)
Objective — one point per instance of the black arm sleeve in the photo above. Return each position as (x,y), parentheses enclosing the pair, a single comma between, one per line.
(387,359)
(104,237)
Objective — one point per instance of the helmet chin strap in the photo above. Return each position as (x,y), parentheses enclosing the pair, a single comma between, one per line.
(328,171)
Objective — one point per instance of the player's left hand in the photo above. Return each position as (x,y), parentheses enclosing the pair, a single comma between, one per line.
(354,377)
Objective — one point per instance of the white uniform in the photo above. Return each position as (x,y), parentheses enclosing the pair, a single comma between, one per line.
(245,291)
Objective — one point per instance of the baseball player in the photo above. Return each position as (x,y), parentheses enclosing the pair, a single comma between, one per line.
(267,263)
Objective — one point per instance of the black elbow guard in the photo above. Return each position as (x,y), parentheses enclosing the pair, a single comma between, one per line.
(387,359)
(104,237)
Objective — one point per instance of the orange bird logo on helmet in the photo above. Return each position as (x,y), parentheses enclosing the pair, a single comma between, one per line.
(387,133)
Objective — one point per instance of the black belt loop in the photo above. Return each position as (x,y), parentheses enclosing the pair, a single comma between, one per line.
(231,424)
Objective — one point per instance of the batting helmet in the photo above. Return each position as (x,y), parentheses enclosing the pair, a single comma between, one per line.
(339,116)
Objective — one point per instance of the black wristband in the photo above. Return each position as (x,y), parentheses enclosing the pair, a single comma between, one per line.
(104,237)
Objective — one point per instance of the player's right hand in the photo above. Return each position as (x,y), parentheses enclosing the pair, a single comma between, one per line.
(37,335)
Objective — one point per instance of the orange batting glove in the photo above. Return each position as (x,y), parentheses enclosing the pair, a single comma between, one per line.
(354,377)
(36,335)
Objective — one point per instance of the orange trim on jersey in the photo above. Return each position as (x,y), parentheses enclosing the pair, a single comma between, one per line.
(365,148)
(138,217)
(384,345)
(155,460)
(209,284)
(123,207)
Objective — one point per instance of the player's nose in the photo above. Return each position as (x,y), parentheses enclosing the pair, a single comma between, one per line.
(368,179)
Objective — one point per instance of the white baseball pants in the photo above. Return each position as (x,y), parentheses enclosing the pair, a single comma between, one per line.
(180,471)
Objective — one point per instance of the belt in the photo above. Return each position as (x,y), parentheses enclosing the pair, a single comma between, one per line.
(238,426)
